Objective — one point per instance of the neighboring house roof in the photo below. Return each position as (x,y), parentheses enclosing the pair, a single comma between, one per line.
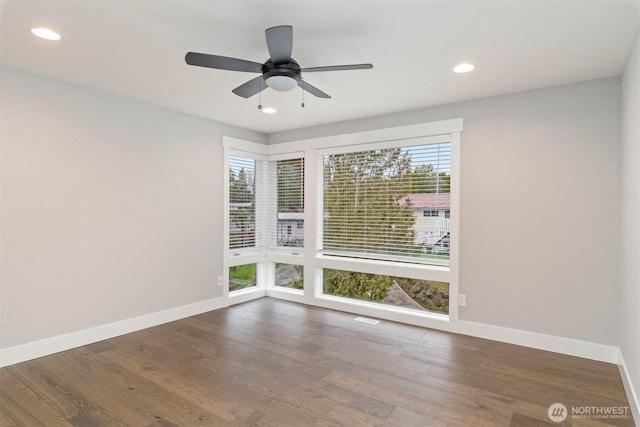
(427,201)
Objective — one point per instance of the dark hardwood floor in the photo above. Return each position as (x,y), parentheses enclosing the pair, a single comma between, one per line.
(274,363)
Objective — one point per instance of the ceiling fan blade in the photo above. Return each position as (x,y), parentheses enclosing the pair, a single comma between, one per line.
(250,88)
(312,89)
(339,68)
(222,62)
(280,43)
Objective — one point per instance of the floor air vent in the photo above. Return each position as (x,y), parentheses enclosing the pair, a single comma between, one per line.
(366,320)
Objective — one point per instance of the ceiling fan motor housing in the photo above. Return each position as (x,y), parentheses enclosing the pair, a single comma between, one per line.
(289,69)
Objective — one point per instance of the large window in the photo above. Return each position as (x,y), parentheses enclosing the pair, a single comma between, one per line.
(374,202)
(402,292)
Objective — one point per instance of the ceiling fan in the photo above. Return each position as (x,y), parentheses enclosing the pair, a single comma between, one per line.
(280,72)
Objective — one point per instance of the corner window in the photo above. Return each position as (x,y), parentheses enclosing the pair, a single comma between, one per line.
(363,222)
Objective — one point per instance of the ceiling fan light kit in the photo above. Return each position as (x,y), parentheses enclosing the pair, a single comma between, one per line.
(280,72)
(281,83)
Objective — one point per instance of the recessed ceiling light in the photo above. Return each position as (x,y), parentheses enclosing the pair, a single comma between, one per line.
(45,33)
(463,68)
(269,110)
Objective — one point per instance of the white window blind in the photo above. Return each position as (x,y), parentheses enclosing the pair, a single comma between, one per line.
(374,203)
(242,202)
(286,204)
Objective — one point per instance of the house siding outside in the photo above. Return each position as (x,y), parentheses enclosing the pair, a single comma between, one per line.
(291,229)
(432,232)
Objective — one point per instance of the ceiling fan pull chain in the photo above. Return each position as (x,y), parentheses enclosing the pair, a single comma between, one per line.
(302,106)
(260,95)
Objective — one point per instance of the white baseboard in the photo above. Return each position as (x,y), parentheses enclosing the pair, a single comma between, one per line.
(32,350)
(632,395)
(572,347)
(244,295)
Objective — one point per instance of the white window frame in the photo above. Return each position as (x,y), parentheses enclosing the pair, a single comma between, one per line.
(284,254)
(241,256)
(310,257)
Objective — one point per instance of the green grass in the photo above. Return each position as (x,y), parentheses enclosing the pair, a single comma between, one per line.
(242,276)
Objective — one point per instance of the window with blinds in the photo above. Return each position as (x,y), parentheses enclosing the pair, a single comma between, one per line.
(242,202)
(374,203)
(287,205)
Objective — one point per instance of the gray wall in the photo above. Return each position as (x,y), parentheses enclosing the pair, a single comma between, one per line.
(630,343)
(111,208)
(540,201)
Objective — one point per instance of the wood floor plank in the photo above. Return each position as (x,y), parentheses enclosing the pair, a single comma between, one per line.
(30,406)
(186,381)
(39,380)
(519,420)
(277,364)
(456,398)
(73,395)
(139,402)
(609,385)
(6,418)
(16,414)
(218,387)
(403,417)
(531,390)
(409,402)
(88,390)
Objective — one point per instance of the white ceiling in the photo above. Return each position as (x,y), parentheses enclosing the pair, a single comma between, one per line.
(136,49)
